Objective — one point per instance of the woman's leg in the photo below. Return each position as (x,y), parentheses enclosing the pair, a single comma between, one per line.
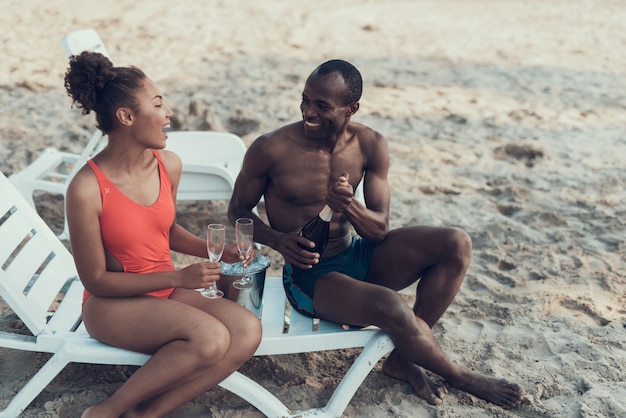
(245,335)
(186,343)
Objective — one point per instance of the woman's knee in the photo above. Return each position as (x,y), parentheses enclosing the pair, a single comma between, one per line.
(210,344)
(248,335)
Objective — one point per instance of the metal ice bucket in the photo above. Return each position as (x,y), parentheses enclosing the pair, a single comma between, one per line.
(252,297)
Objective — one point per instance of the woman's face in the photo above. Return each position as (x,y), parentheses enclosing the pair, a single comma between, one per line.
(152,116)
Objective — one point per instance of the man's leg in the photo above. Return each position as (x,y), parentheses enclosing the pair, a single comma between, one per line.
(404,256)
(439,258)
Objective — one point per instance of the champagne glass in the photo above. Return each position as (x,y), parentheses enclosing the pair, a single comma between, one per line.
(215,238)
(244,230)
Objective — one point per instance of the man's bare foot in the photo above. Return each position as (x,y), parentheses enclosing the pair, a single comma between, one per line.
(397,368)
(495,390)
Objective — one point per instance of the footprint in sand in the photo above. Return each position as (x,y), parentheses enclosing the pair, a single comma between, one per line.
(527,153)
(586,307)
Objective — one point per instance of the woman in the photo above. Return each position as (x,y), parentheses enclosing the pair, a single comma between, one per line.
(121,216)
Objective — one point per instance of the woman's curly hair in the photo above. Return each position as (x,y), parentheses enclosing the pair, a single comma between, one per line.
(94,84)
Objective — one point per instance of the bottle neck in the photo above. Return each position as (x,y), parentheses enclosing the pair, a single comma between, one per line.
(326,214)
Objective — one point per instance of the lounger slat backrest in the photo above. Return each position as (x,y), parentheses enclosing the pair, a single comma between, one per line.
(34,264)
(231,148)
(96,143)
(68,316)
(193,183)
(23,268)
(45,286)
(15,231)
(201,180)
(84,40)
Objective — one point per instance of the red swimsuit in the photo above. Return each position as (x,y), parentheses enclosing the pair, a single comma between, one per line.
(136,235)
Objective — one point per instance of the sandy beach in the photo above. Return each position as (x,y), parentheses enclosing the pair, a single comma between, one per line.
(505,118)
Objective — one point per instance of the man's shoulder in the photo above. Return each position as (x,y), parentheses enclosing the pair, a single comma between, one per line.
(365,133)
(281,135)
(284,131)
(273,145)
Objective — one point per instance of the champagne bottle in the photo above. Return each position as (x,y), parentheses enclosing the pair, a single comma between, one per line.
(317,230)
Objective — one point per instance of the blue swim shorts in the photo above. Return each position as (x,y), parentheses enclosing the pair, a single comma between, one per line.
(300,283)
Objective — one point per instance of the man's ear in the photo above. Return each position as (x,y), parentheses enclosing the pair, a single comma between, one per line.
(352,109)
(125,116)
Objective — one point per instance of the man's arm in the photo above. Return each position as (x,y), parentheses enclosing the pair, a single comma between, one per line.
(251,185)
(372,221)
(249,188)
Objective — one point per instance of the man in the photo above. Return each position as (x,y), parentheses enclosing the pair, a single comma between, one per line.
(321,160)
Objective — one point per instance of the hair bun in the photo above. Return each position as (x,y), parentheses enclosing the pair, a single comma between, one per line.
(88,74)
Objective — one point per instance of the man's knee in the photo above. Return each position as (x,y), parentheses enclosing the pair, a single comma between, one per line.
(460,243)
(389,306)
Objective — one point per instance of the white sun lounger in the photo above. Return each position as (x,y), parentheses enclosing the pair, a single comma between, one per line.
(35,268)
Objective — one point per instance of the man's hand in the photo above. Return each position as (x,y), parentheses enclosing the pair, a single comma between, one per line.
(231,255)
(294,254)
(340,194)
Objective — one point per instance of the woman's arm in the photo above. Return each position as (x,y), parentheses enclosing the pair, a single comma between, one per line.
(181,240)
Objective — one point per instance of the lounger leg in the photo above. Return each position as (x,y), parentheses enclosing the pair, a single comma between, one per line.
(378,346)
(255,394)
(36,384)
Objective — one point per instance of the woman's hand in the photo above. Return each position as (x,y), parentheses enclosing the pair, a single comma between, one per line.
(199,275)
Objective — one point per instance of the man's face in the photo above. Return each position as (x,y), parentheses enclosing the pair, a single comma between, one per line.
(322,105)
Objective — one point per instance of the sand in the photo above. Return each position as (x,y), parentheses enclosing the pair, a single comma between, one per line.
(504,118)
